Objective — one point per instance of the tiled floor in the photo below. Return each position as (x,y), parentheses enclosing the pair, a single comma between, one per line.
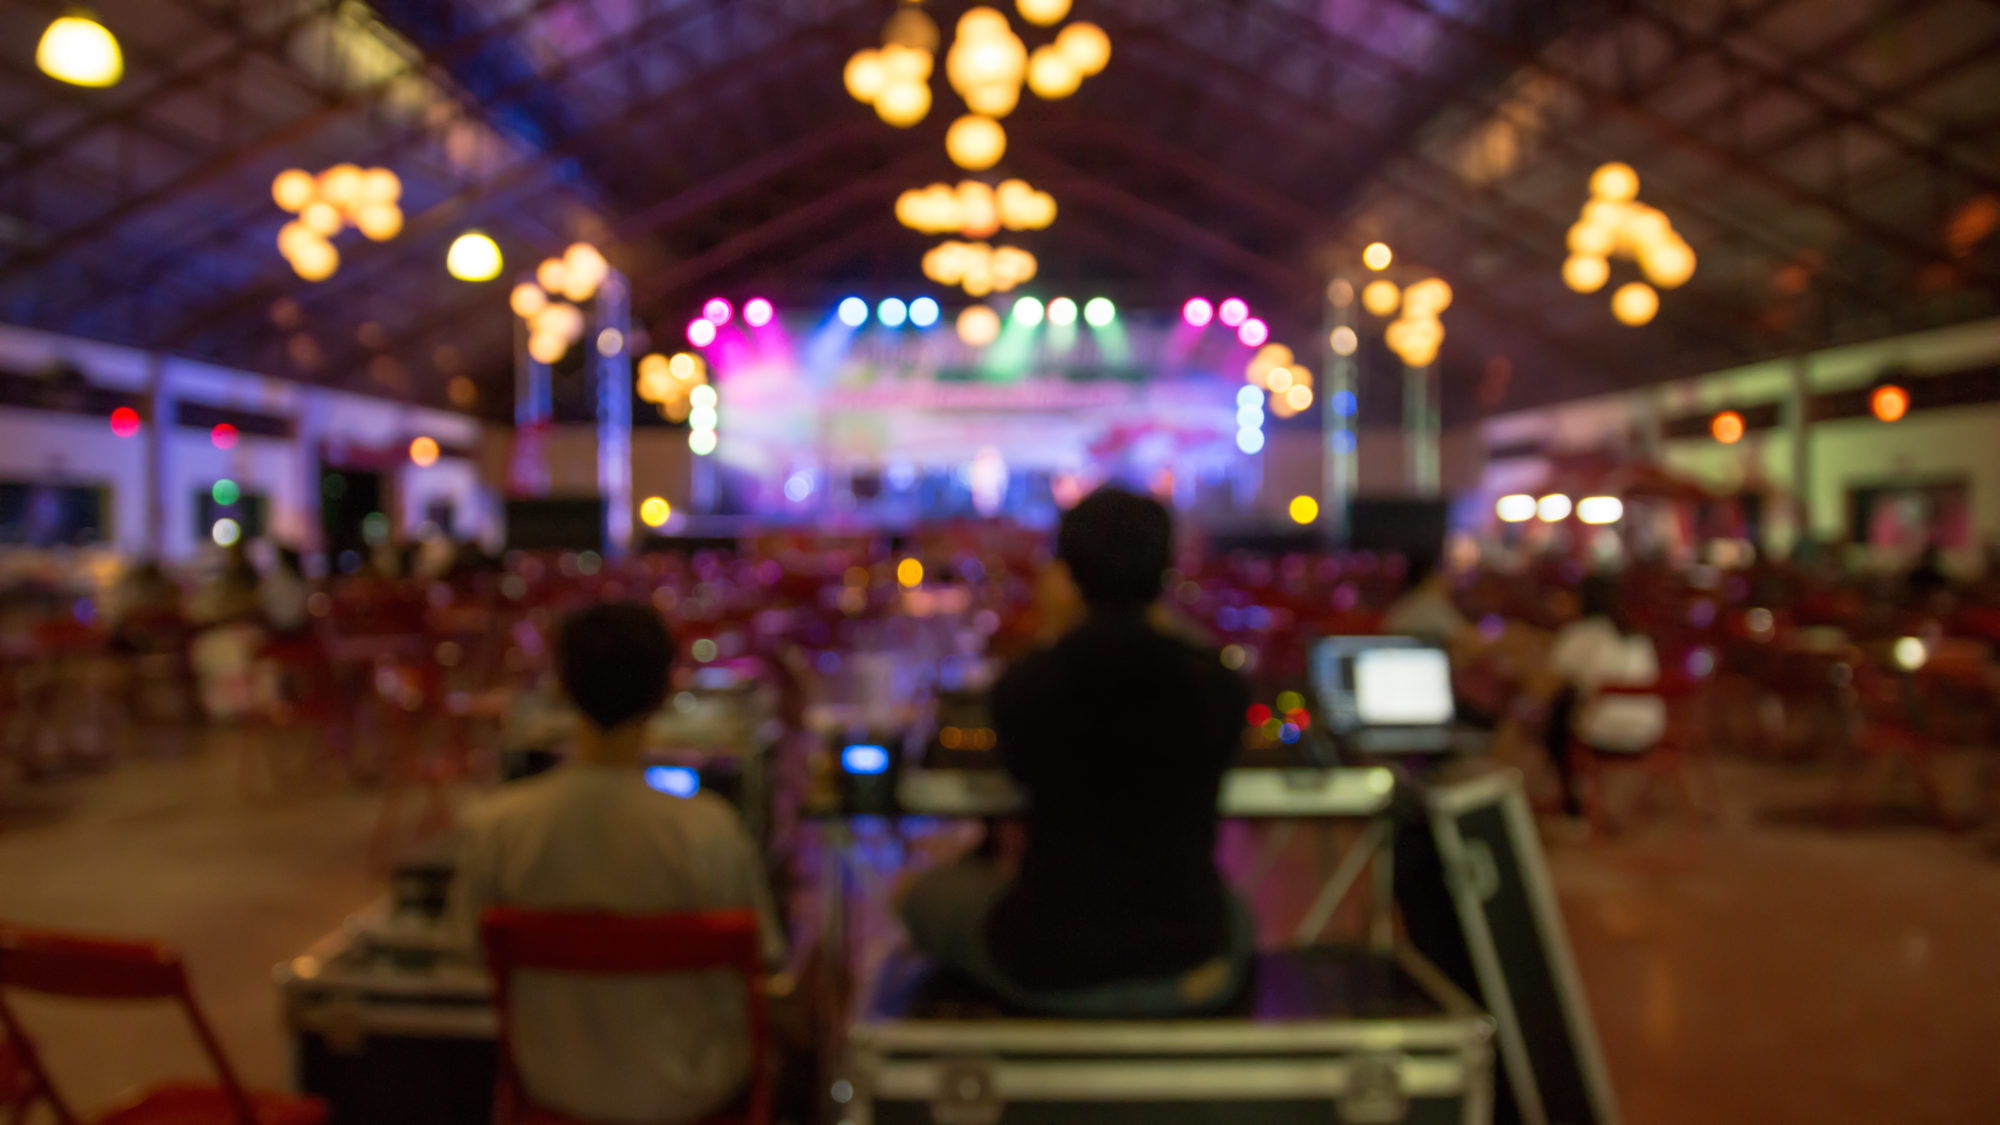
(1781,971)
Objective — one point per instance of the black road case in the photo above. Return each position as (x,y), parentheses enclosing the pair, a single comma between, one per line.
(1329,1036)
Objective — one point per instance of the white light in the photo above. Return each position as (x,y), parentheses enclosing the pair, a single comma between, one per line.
(923,312)
(1062,311)
(1553,508)
(610,342)
(702,418)
(798,487)
(80,51)
(1100,312)
(1250,440)
(702,442)
(1912,654)
(473,257)
(226,532)
(1600,509)
(853,312)
(1250,396)
(702,396)
(1344,341)
(1250,417)
(1518,508)
(892,312)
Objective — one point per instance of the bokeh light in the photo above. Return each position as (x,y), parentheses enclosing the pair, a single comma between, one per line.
(1253,333)
(124,421)
(1028,311)
(910,573)
(1635,303)
(892,312)
(1889,402)
(717,311)
(1727,427)
(978,326)
(1553,508)
(1377,256)
(226,532)
(1516,508)
(473,257)
(424,452)
(1381,296)
(1344,341)
(924,312)
(1198,312)
(80,51)
(757,312)
(1600,510)
(225,492)
(1232,312)
(654,511)
(1062,311)
(223,436)
(701,332)
(1303,509)
(1100,312)
(853,312)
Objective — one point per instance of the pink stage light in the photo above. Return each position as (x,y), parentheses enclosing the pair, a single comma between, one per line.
(1253,333)
(223,435)
(1198,312)
(1233,312)
(757,312)
(124,421)
(701,332)
(717,311)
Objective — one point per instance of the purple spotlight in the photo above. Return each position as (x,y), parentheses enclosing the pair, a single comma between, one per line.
(757,312)
(717,311)
(1253,333)
(1198,312)
(701,332)
(1233,312)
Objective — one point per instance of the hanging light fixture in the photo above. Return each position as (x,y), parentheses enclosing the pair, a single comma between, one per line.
(80,51)
(975,143)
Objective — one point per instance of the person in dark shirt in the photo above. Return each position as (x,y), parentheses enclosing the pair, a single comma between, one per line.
(1120,733)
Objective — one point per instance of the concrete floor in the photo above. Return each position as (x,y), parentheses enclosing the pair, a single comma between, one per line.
(1778,971)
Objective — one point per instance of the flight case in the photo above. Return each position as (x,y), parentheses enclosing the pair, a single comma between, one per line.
(1328,1035)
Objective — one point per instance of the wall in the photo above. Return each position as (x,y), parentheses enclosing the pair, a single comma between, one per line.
(1958,442)
(38,445)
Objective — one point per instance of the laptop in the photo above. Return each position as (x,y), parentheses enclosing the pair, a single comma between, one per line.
(1384,695)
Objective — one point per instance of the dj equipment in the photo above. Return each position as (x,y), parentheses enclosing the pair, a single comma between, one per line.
(1384,695)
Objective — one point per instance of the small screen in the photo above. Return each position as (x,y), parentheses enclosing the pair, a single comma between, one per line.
(865,759)
(1403,687)
(678,781)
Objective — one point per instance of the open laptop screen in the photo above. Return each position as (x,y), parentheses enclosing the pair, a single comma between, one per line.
(1399,687)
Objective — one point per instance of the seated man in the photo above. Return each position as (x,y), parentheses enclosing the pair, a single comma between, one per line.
(591,835)
(1120,734)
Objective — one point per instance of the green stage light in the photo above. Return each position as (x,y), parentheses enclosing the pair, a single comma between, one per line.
(225,492)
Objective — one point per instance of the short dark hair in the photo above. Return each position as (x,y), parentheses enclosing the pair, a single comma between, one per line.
(613,660)
(1117,545)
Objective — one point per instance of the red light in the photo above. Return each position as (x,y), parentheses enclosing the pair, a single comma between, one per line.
(1297,717)
(124,421)
(1258,715)
(1889,403)
(223,435)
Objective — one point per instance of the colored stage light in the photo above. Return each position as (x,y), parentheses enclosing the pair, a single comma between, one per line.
(717,311)
(1635,303)
(424,452)
(702,442)
(910,572)
(866,759)
(655,511)
(1253,333)
(1345,404)
(1727,427)
(978,326)
(701,332)
(473,257)
(1304,509)
(1100,312)
(924,312)
(1197,312)
(757,312)
(1250,440)
(703,397)
(1377,256)
(223,436)
(675,781)
(1343,441)
(1516,508)
(892,312)
(853,312)
(226,532)
(1062,311)
(1028,311)
(225,492)
(1247,397)
(124,421)
(1553,508)
(1233,312)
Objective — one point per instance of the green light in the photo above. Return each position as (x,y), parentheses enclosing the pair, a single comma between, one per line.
(1062,311)
(1028,311)
(226,492)
(1100,312)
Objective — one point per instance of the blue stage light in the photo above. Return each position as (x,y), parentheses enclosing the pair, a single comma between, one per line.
(1250,396)
(1343,441)
(1345,404)
(923,312)
(853,312)
(892,312)
(678,781)
(865,759)
(1250,440)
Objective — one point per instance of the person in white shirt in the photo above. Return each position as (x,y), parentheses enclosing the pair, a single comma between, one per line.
(591,835)
(1597,650)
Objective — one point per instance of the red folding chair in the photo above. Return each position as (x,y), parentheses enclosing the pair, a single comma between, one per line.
(87,968)
(624,945)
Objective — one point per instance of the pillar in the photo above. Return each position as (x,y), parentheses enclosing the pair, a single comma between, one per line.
(159,420)
(1339,408)
(1420,431)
